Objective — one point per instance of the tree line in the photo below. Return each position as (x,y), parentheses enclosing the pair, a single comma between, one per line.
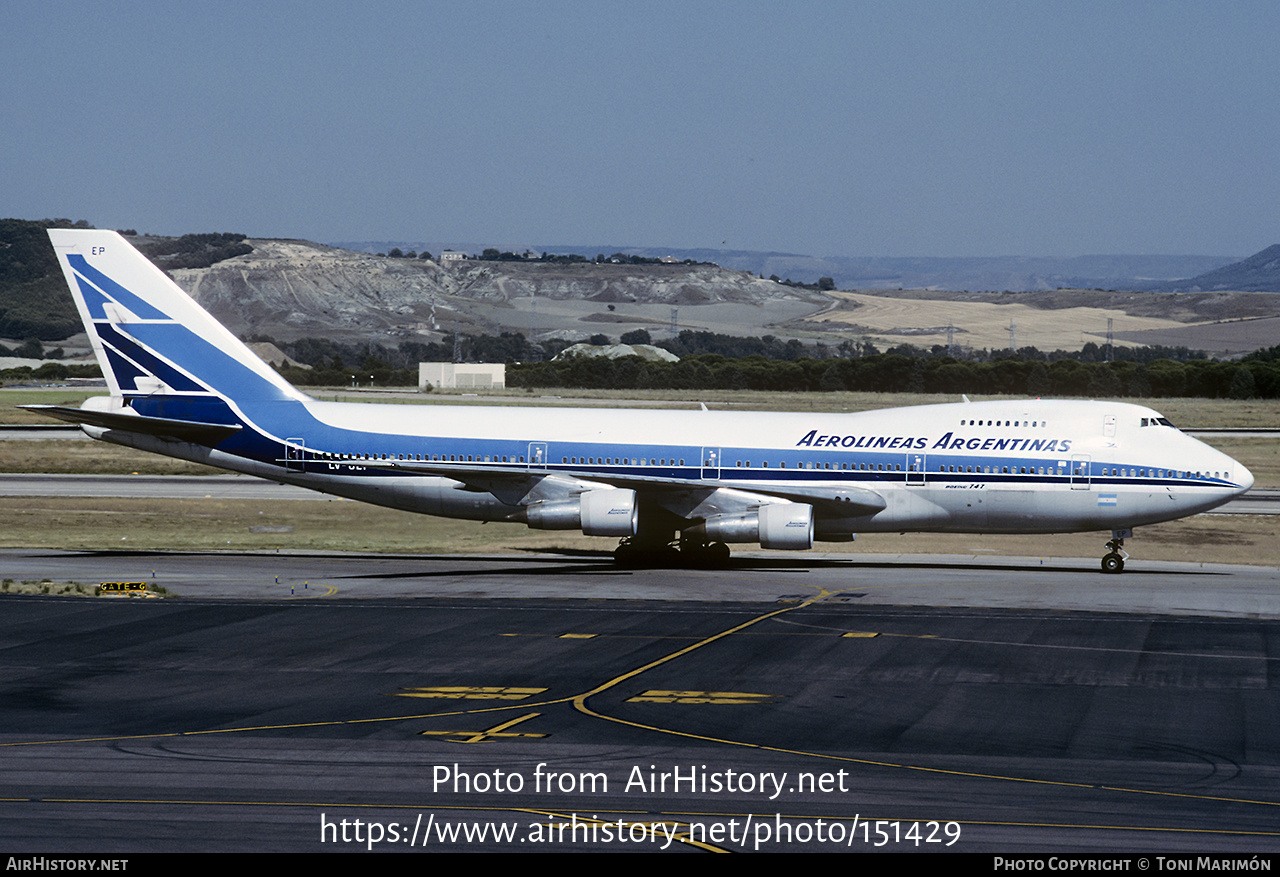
(769,363)
(896,373)
(1256,376)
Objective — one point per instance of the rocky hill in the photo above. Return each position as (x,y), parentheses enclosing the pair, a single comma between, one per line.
(294,288)
(290,289)
(973,273)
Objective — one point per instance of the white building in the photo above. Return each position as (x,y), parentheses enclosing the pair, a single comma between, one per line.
(462,375)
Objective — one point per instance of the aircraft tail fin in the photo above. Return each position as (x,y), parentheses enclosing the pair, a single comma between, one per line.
(151,339)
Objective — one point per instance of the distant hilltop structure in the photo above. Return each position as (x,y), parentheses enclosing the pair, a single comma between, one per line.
(617,351)
(462,375)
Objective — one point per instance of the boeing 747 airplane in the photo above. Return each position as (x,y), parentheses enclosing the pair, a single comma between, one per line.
(660,481)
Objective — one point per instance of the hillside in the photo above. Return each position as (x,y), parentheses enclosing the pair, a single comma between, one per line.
(290,289)
(34,302)
(1258,273)
(993,273)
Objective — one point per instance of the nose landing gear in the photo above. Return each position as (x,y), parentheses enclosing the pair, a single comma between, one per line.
(1113,560)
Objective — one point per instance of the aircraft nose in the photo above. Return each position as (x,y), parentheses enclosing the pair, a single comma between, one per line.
(1244,478)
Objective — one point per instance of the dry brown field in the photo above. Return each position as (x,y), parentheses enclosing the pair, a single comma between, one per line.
(340,525)
(977,324)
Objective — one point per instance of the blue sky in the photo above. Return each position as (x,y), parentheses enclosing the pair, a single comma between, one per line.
(883,129)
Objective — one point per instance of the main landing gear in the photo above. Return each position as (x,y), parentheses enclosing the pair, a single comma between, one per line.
(687,553)
(1113,560)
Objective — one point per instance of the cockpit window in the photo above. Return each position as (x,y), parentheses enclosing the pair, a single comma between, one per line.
(1156,421)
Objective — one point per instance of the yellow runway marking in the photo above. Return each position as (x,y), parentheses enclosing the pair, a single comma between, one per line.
(465,692)
(659,696)
(484,736)
(330,590)
(579,702)
(1026,645)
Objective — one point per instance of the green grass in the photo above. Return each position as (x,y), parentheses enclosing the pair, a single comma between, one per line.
(48,586)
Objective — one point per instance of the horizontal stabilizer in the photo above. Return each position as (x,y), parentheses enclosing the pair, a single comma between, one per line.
(162,427)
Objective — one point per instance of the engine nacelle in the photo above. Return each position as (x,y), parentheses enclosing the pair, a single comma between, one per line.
(595,512)
(779,526)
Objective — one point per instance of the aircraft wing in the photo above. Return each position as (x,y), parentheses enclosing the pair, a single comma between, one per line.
(510,484)
(520,486)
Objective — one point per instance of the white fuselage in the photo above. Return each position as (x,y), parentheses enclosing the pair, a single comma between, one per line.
(1008,466)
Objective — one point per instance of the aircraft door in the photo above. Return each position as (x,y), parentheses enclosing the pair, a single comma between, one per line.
(1080,472)
(538,456)
(711,463)
(916,469)
(295,455)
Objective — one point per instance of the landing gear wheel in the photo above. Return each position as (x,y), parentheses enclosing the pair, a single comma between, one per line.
(1113,560)
(627,556)
(630,555)
(703,555)
(714,555)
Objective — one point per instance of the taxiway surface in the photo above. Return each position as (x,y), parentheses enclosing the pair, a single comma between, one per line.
(816,703)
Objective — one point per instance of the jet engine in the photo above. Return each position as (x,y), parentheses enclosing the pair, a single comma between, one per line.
(595,512)
(781,526)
